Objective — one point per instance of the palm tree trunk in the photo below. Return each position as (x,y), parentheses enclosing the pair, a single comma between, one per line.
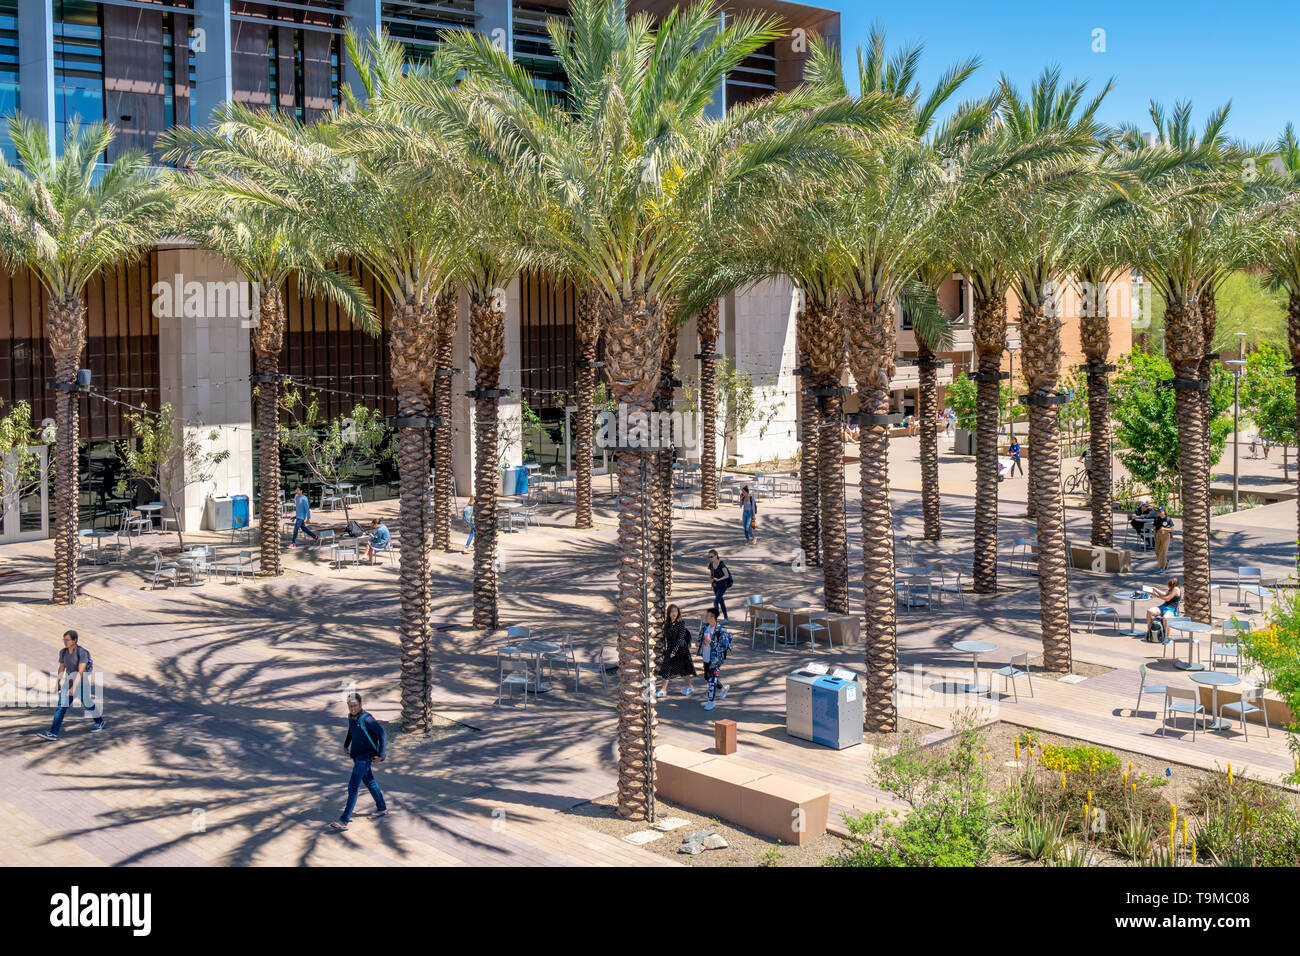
(1041,351)
(990,333)
(487,346)
(632,358)
(1209,322)
(1293,340)
(1099,470)
(590,307)
(663,579)
(706,325)
(1185,346)
(445,313)
(268,339)
(411,345)
(826,351)
(809,437)
(65,323)
(871,349)
(932,527)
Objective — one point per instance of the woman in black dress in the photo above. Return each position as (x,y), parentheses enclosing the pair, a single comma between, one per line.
(677,653)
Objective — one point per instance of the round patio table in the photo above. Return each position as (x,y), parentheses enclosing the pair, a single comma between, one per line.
(150,511)
(99,537)
(790,607)
(536,649)
(1216,679)
(1191,629)
(1132,597)
(975,649)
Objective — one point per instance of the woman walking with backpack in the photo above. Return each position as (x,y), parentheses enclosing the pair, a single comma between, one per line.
(720,578)
(75,666)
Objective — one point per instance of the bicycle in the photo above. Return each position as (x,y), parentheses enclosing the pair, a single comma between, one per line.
(1079,483)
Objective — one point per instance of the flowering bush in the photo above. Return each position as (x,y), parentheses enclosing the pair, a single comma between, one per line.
(1077,759)
(1276,649)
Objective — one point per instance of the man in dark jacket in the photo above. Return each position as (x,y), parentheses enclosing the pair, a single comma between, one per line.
(364,743)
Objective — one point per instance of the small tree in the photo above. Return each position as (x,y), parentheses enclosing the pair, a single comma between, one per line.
(19,466)
(333,449)
(1146,422)
(1268,396)
(170,462)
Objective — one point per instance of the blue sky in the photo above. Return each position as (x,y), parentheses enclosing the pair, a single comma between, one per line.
(1206,52)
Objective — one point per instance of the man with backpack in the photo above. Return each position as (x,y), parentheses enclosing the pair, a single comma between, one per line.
(715,642)
(364,743)
(75,667)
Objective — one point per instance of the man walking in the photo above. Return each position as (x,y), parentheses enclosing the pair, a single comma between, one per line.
(75,667)
(364,743)
(301,517)
(1014,451)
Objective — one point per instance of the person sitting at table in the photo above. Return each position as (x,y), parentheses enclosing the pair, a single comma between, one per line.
(1169,602)
(379,539)
(1141,515)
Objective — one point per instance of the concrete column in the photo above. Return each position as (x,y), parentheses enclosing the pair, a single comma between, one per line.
(365,17)
(211,45)
(462,411)
(36,64)
(203,370)
(762,342)
(496,23)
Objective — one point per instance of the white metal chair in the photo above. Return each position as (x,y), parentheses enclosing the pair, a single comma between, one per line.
(1230,649)
(915,589)
(163,568)
(327,538)
(948,587)
(1250,581)
(595,661)
(330,499)
(1182,700)
(1252,702)
(816,624)
(352,496)
(236,568)
(769,625)
(519,632)
(751,609)
(519,673)
(563,655)
(1095,610)
(1019,667)
(134,522)
(1145,688)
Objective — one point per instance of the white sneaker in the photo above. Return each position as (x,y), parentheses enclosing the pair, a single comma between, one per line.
(688,691)
(661,693)
(723,692)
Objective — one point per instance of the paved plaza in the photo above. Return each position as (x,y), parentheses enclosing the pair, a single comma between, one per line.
(225,714)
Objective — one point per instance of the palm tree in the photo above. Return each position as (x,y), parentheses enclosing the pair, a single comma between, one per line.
(1038,245)
(635,174)
(1179,243)
(933,331)
(66,220)
(589,324)
(269,250)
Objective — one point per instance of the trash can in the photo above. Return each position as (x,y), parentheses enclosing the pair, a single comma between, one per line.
(799,703)
(836,711)
(521,480)
(240,511)
(217,513)
(508,478)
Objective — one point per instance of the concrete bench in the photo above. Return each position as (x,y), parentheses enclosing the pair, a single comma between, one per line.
(845,628)
(1114,560)
(730,788)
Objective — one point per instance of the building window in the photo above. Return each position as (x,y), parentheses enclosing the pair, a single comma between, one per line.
(10,101)
(169,73)
(78,64)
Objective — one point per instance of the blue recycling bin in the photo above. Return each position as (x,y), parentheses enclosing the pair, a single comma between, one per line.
(521,480)
(836,712)
(240,512)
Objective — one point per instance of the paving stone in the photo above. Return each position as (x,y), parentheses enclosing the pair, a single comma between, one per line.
(642,837)
(715,842)
(670,823)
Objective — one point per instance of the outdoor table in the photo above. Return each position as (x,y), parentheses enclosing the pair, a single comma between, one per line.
(508,507)
(536,649)
(790,607)
(189,559)
(1216,679)
(99,537)
(347,547)
(1191,628)
(923,573)
(1132,597)
(975,649)
(150,511)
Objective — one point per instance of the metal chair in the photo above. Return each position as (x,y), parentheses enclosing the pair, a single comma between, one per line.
(352,496)
(1241,709)
(519,632)
(949,588)
(1250,581)
(520,673)
(1095,610)
(816,624)
(751,609)
(912,588)
(162,568)
(134,522)
(1182,700)
(768,624)
(596,663)
(1171,639)
(1019,667)
(563,655)
(1230,649)
(237,568)
(1145,688)
(330,499)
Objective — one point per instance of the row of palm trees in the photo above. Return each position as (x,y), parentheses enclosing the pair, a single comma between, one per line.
(455,174)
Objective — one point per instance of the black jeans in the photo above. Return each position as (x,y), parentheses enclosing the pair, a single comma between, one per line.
(719,604)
